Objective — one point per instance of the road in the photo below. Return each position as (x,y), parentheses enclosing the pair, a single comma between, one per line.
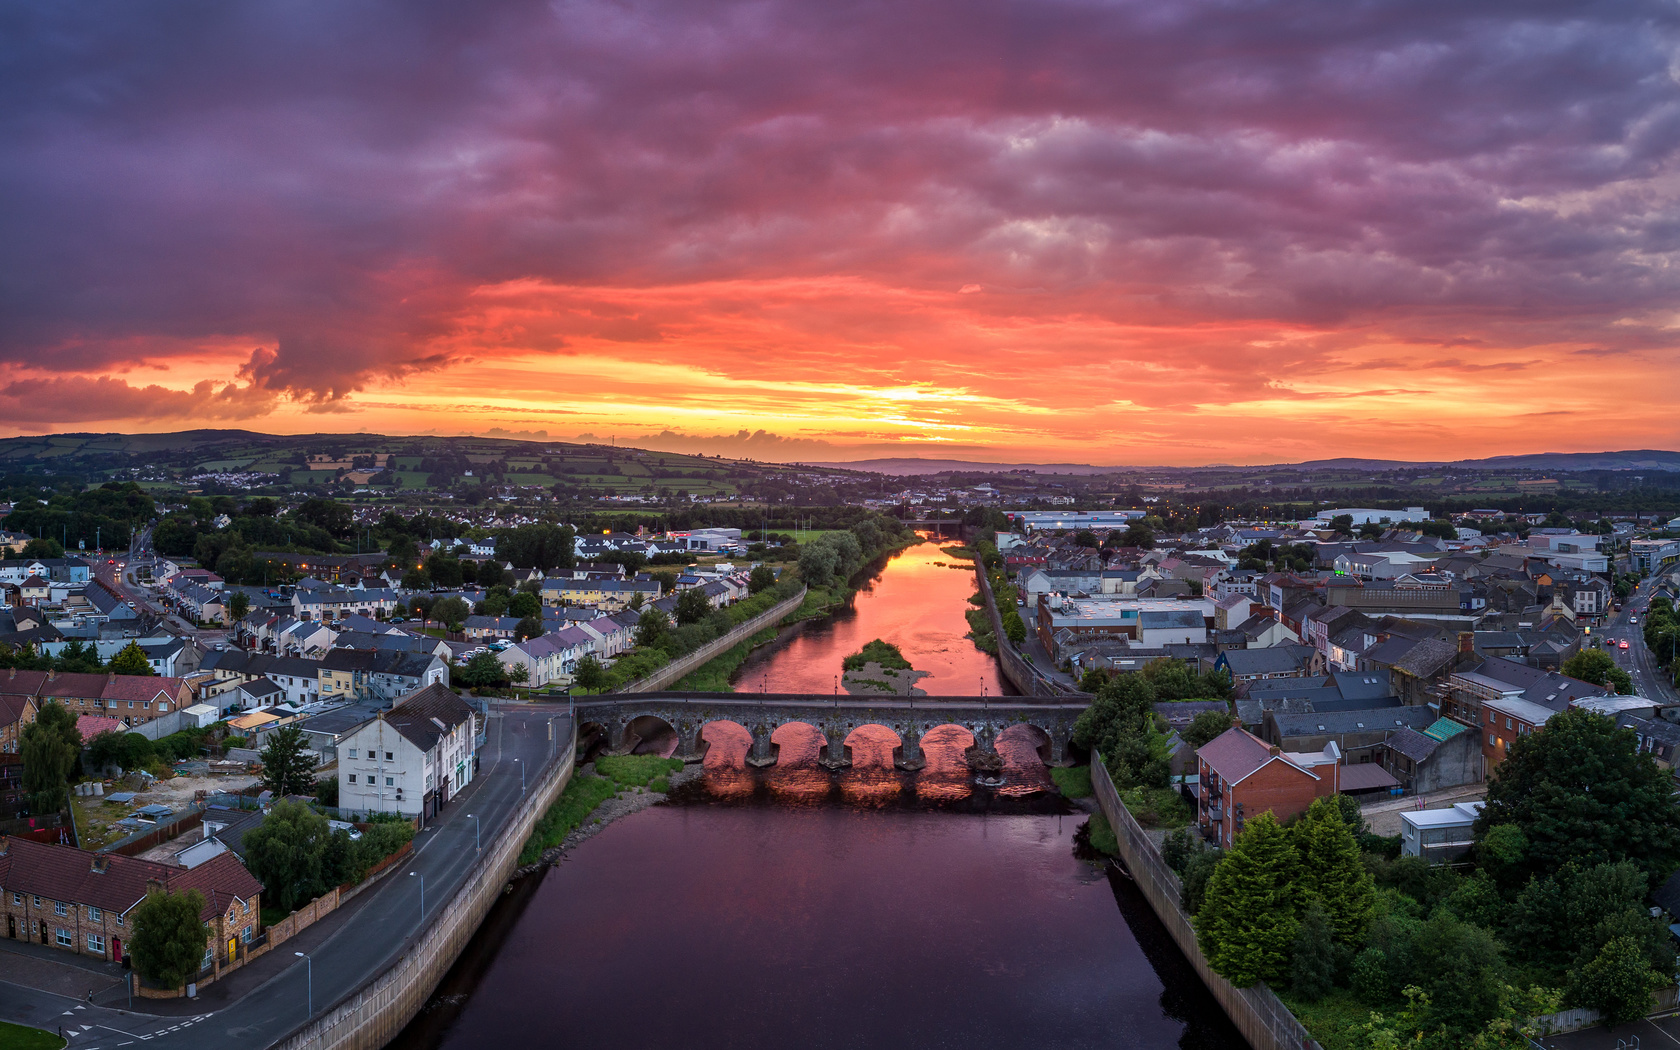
(1649,680)
(121,574)
(518,737)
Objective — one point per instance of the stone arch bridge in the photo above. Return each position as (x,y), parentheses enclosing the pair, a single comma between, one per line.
(627,718)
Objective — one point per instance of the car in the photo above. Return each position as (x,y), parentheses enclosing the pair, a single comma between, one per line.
(1633,619)
(1623,643)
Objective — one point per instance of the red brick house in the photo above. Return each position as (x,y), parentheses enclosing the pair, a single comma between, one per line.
(82,902)
(1242,776)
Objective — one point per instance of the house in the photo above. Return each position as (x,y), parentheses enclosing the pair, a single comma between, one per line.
(1444,754)
(1506,719)
(337,603)
(1277,661)
(1357,733)
(1439,835)
(1473,685)
(16,711)
(1241,776)
(83,902)
(411,759)
(1655,737)
(607,594)
(547,658)
(326,732)
(358,674)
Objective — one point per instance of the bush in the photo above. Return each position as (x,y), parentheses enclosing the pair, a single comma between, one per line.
(635,770)
(1072,781)
(579,799)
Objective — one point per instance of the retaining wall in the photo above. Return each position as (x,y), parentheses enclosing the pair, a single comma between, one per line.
(373,1014)
(1262,1018)
(674,670)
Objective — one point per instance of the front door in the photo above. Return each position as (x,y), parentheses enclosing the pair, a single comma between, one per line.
(116,949)
(43,931)
(11,926)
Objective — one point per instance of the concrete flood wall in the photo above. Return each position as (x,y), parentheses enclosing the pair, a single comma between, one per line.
(674,670)
(373,1014)
(1262,1018)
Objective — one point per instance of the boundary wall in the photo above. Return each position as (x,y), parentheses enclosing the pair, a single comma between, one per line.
(1021,674)
(373,1014)
(1259,1015)
(674,670)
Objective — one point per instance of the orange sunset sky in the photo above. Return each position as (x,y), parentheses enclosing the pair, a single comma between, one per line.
(1093,232)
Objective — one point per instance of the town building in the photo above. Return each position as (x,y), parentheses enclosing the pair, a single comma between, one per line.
(410,760)
(1241,776)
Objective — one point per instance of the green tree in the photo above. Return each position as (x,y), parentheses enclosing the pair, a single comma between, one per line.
(286,853)
(130,659)
(1139,536)
(1618,982)
(1599,668)
(1205,727)
(1333,871)
(42,548)
(50,747)
(444,569)
(1086,538)
(493,605)
(1579,790)
(1198,869)
(692,606)
(490,573)
(1247,923)
(483,671)
(77,656)
(287,767)
(169,938)
(762,578)
(451,611)
(1121,723)
(651,627)
(238,604)
(589,673)
(529,627)
(524,604)
(1313,957)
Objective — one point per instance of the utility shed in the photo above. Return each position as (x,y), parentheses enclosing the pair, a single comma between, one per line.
(1438,835)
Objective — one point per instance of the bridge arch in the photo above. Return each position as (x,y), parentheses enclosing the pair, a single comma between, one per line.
(1025,734)
(647,734)
(721,741)
(872,740)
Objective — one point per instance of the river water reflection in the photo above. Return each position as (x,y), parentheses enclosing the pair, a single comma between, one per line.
(914,602)
(769,926)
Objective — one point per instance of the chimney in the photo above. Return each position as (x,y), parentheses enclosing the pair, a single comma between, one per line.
(101,861)
(1466,641)
(153,886)
(5,844)
(1276,750)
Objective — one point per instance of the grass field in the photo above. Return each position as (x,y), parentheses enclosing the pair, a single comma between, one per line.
(17,1037)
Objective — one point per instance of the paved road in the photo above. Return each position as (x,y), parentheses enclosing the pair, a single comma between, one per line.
(1649,680)
(519,737)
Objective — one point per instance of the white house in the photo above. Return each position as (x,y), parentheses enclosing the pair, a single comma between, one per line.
(411,759)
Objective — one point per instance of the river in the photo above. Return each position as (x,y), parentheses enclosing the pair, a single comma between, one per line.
(916,601)
(869,907)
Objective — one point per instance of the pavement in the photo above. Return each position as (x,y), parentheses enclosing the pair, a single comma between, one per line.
(257,1005)
(1647,1034)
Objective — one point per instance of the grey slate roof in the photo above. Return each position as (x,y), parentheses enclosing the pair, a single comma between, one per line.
(1320,722)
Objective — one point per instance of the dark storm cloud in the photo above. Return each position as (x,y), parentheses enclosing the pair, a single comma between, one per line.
(335,179)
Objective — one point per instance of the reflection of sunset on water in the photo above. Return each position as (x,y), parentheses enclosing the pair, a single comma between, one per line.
(1024,772)
(872,777)
(727,745)
(797,774)
(946,776)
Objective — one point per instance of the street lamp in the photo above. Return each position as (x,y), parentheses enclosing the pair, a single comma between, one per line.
(521,766)
(477,844)
(422,894)
(309,971)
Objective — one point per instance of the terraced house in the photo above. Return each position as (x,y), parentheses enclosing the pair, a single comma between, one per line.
(131,699)
(83,902)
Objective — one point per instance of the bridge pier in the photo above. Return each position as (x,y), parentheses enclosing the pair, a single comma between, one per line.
(834,754)
(690,748)
(910,757)
(763,752)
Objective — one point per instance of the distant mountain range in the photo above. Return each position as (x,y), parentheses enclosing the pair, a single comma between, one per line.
(1634,459)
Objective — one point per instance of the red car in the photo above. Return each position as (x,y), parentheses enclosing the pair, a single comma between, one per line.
(1623,643)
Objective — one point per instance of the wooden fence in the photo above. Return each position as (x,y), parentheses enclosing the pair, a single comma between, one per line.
(1262,1018)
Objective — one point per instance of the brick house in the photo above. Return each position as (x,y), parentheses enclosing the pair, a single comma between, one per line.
(1506,719)
(16,711)
(83,902)
(1242,776)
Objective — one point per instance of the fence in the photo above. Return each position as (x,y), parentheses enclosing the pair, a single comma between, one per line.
(1262,1018)
(683,664)
(143,840)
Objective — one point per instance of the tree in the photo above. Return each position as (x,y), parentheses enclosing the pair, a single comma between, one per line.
(589,673)
(444,569)
(238,604)
(326,790)
(762,578)
(452,611)
(1139,536)
(651,627)
(519,674)
(77,655)
(1335,873)
(327,514)
(1313,958)
(1086,538)
(1197,871)
(1247,923)
(1579,790)
(483,671)
(287,767)
(50,747)
(692,606)
(529,627)
(490,573)
(1618,983)
(493,605)
(1599,668)
(131,659)
(169,938)
(416,580)
(524,604)
(1205,727)
(42,548)
(285,852)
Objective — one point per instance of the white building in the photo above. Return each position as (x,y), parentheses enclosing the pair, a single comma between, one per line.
(1438,835)
(411,759)
(1367,516)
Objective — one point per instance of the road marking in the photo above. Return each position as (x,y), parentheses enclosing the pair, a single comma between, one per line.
(1661,1029)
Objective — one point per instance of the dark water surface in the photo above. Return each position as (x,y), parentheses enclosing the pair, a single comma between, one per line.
(775,926)
(914,603)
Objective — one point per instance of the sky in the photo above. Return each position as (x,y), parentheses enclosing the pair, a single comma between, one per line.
(1115,232)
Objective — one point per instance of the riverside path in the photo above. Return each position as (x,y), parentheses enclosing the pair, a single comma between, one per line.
(518,739)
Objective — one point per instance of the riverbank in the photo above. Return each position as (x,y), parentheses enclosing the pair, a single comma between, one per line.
(600,793)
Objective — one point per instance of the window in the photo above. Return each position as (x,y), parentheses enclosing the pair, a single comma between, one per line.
(352,778)
(209,959)
(1508,724)
(64,939)
(95,915)
(60,909)
(389,782)
(96,943)
(245,935)
(389,757)
(119,920)
(17,898)
(352,752)
(1491,740)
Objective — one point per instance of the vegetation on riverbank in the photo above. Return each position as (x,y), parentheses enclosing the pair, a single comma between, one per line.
(980,631)
(713,675)
(1003,592)
(1100,836)
(585,793)
(877,652)
(635,770)
(1072,781)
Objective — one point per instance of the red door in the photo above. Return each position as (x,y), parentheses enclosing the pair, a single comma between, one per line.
(116,949)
